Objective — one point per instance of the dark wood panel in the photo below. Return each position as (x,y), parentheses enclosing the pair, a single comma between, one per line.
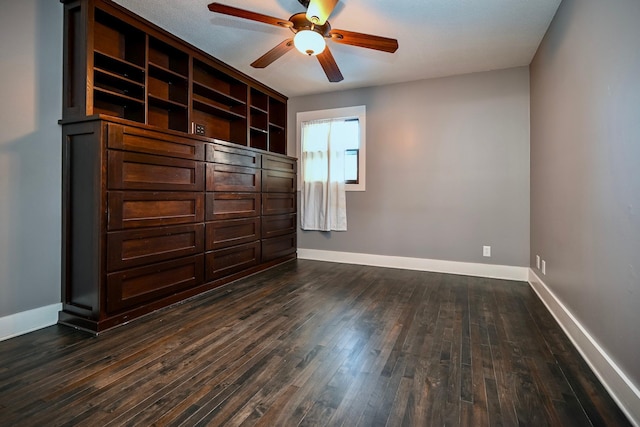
(136,286)
(232,178)
(277,225)
(217,153)
(131,171)
(131,209)
(126,249)
(286,164)
(278,181)
(140,140)
(314,343)
(82,178)
(278,247)
(223,262)
(232,205)
(278,203)
(231,232)
(75,62)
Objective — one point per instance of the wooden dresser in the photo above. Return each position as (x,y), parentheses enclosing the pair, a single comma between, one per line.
(175,174)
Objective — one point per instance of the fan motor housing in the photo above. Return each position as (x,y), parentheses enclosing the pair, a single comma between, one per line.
(300,22)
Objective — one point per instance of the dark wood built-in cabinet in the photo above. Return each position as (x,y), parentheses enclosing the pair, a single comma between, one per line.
(175,174)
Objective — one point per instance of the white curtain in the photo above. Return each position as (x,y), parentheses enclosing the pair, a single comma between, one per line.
(323,204)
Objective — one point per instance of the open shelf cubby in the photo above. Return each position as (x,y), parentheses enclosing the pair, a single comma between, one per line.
(277,113)
(117,105)
(219,103)
(258,119)
(259,100)
(175,90)
(167,115)
(167,86)
(258,139)
(118,39)
(277,139)
(166,57)
(229,128)
(116,83)
(214,83)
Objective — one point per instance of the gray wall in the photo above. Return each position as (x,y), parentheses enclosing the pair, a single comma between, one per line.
(585,169)
(447,169)
(30,154)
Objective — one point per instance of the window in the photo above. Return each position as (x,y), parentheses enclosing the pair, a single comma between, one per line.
(351,124)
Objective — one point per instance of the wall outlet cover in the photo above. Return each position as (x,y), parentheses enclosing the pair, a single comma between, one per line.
(538,262)
(199,129)
(486,251)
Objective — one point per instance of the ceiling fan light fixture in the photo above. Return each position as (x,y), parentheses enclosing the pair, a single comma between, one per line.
(309,42)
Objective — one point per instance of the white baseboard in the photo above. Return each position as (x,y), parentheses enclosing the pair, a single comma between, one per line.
(27,321)
(421,264)
(619,386)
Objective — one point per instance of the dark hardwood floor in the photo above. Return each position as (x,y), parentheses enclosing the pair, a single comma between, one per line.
(311,343)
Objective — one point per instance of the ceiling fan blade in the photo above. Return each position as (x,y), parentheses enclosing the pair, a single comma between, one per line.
(364,40)
(273,54)
(318,11)
(246,14)
(330,66)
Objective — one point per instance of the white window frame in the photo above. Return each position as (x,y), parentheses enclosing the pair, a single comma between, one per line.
(358,112)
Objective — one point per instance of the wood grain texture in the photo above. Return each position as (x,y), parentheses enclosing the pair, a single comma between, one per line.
(311,344)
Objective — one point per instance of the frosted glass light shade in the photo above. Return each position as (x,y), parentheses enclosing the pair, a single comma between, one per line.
(309,42)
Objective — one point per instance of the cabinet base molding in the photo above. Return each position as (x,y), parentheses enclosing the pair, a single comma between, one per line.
(69,316)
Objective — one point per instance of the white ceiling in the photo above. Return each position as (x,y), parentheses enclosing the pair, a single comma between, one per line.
(436,37)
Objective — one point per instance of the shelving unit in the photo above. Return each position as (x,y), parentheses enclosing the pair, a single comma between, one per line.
(120,66)
(168,86)
(118,73)
(258,128)
(277,126)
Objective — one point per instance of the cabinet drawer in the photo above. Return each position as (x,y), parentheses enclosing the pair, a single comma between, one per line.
(132,171)
(278,203)
(129,209)
(232,178)
(133,287)
(278,181)
(232,156)
(224,262)
(147,141)
(278,247)
(231,232)
(126,249)
(277,225)
(285,164)
(232,205)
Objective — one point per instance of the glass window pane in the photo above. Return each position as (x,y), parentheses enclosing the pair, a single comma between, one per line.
(351,166)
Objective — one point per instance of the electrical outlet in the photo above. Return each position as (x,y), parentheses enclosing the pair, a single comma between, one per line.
(486,251)
(538,262)
(199,129)
(544,268)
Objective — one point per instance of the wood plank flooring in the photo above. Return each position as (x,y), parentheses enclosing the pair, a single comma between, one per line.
(312,344)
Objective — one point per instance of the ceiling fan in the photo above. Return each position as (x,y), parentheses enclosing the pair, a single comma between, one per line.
(310,30)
